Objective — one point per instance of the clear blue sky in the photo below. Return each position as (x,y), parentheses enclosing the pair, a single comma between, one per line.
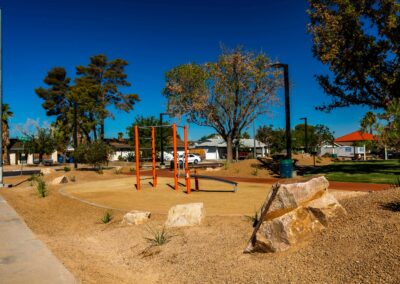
(154,36)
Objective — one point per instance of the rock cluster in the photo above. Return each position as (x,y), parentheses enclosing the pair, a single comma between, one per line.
(136,217)
(296,212)
(59,180)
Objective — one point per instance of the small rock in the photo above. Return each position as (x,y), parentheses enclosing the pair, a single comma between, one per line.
(59,180)
(185,215)
(136,217)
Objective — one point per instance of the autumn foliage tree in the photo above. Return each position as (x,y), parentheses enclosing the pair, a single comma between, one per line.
(360,42)
(226,95)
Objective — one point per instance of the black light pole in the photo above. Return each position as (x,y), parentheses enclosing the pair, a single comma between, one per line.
(287,108)
(305,134)
(162,138)
(75,132)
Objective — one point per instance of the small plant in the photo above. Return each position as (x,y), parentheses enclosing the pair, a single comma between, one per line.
(118,171)
(67,169)
(253,218)
(99,171)
(41,187)
(237,171)
(33,178)
(132,170)
(107,217)
(72,178)
(255,172)
(158,238)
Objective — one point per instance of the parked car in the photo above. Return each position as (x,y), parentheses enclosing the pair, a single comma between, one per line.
(47,162)
(192,159)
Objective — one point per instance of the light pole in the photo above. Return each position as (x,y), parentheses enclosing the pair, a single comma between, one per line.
(287,107)
(305,134)
(1,100)
(162,137)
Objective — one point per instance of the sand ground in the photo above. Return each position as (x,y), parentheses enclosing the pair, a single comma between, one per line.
(360,247)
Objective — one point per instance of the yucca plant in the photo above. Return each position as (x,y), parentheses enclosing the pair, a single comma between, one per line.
(158,237)
(41,187)
(107,217)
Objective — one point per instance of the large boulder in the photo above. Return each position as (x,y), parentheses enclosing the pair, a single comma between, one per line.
(295,212)
(136,217)
(185,215)
(59,180)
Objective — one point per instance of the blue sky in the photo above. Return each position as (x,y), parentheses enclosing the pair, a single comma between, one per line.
(154,36)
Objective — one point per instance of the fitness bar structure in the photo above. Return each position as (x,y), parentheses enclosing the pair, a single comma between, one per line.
(153,156)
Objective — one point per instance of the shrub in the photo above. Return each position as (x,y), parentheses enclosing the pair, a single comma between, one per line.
(253,219)
(72,178)
(255,172)
(107,217)
(158,238)
(226,165)
(67,169)
(118,171)
(95,153)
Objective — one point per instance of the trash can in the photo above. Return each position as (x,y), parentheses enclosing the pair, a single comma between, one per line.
(286,168)
(334,156)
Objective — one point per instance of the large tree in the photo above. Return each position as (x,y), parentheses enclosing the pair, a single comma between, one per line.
(6,115)
(42,142)
(101,80)
(360,42)
(226,95)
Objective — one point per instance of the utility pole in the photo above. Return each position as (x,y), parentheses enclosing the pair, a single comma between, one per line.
(254,140)
(162,164)
(75,132)
(1,100)
(305,134)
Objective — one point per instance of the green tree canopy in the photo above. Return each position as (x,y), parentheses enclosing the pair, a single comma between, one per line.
(41,143)
(226,95)
(360,42)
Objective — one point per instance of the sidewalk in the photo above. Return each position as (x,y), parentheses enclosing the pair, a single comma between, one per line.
(24,258)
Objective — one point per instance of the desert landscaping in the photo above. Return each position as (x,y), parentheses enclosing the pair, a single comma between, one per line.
(360,246)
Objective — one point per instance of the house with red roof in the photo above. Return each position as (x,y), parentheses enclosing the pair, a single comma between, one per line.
(345,146)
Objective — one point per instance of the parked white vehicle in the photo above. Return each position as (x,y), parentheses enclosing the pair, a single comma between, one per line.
(192,159)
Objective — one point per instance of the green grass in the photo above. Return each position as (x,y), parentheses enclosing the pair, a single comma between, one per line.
(360,171)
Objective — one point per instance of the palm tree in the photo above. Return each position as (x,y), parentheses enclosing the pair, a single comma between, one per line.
(368,122)
(7,114)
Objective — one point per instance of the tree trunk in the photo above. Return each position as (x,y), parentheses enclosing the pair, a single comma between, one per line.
(229,155)
(102,130)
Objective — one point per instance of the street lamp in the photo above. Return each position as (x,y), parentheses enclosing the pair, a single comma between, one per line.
(287,107)
(305,134)
(161,137)
(1,102)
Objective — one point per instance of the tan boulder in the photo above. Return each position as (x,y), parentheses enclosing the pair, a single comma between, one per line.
(295,212)
(279,234)
(185,215)
(136,217)
(291,196)
(59,180)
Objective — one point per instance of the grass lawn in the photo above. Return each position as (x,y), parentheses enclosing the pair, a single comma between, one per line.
(362,171)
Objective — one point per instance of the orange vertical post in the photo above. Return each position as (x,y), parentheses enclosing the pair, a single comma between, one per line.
(153,156)
(137,157)
(187,172)
(175,156)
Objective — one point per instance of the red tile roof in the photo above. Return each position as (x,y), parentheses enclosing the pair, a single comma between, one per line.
(355,136)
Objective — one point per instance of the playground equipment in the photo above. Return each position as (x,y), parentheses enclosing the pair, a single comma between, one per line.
(153,156)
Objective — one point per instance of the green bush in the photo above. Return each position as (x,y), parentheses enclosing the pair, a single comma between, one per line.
(107,217)
(95,154)
(67,169)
